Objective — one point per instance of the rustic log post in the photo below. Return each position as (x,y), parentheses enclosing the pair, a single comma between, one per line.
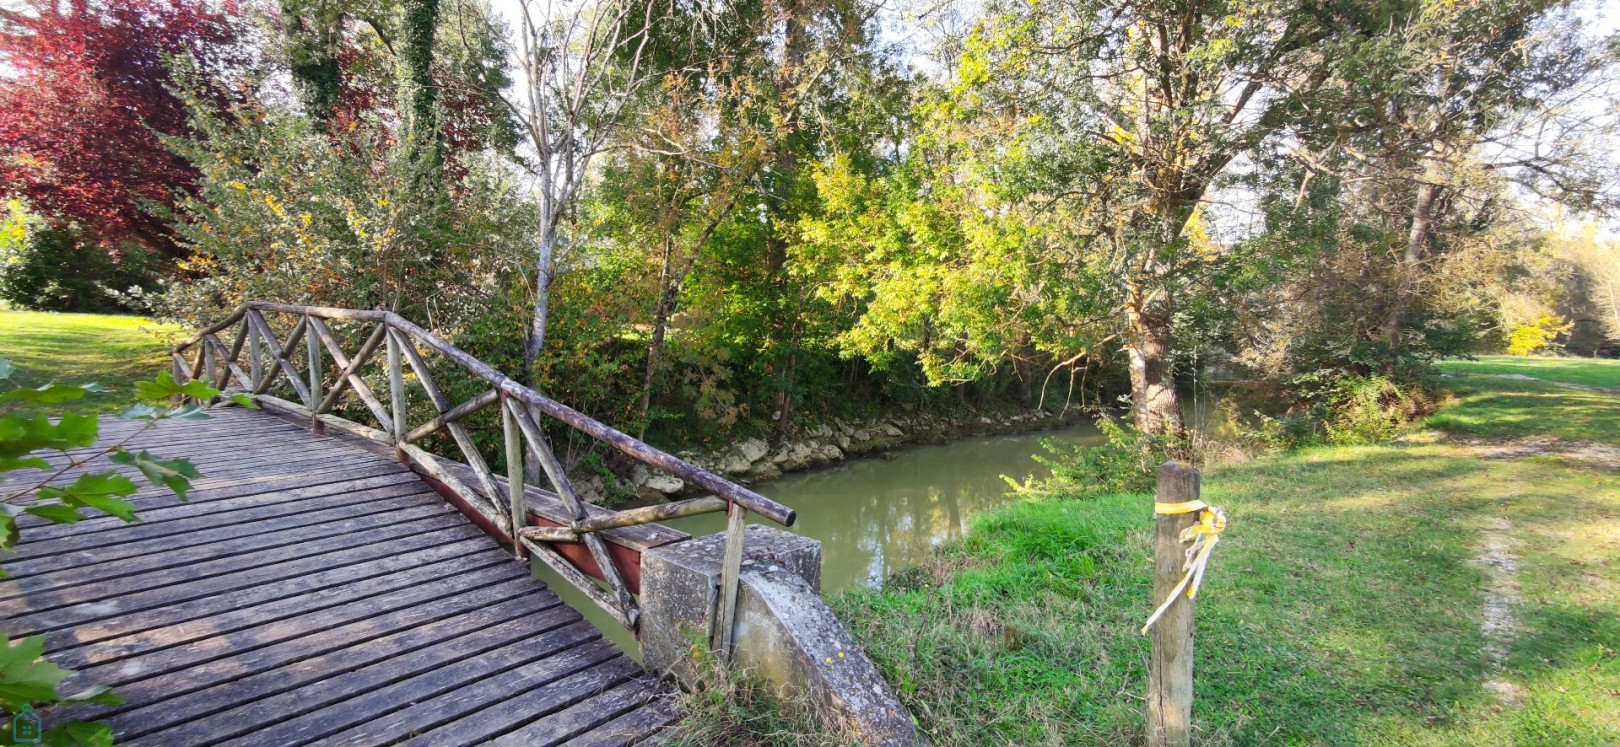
(396,391)
(255,364)
(178,373)
(314,346)
(514,475)
(208,366)
(1170,668)
(730,570)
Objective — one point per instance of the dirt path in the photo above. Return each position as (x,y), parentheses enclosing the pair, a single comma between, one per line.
(1498,617)
(1565,385)
(1599,455)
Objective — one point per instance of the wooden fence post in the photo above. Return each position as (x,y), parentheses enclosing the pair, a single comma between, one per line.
(255,365)
(515,490)
(1170,667)
(314,347)
(396,394)
(725,618)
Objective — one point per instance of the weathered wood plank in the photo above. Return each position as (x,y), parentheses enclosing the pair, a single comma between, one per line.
(430,648)
(182,578)
(595,704)
(633,727)
(500,719)
(454,680)
(313,591)
(188,697)
(224,474)
(210,648)
(160,619)
(369,502)
(273,620)
(725,618)
(198,559)
(432,713)
(79,614)
(274,496)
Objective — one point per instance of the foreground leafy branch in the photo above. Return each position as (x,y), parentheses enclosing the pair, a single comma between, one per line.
(27,679)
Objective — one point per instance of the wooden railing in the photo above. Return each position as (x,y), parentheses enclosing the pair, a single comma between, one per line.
(504,506)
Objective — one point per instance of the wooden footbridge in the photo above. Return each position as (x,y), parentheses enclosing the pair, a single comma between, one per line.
(332,582)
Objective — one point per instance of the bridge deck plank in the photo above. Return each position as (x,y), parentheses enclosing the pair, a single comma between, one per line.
(312,592)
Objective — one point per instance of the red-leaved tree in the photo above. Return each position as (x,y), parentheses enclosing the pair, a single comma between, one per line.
(85,89)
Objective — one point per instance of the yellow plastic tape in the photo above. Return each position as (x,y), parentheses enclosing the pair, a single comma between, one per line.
(1203,534)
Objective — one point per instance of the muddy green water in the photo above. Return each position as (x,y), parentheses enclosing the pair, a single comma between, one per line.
(877,516)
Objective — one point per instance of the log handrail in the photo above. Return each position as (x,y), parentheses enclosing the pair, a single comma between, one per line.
(504,508)
(630,446)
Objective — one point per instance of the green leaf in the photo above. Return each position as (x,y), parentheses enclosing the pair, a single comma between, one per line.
(25,676)
(56,513)
(11,465)
(174,474)
(142,412)
(79,734)
(103,491)
(6,369)
(189,412)
(165,387)
(8,532)
(20,437)
(49,394)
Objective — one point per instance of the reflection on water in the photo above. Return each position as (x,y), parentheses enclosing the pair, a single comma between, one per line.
(875,516)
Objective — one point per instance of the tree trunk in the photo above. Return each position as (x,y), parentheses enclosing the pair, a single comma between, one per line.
(1155,406)
(787,157)
(655,349)
(1411,266)
(544,272)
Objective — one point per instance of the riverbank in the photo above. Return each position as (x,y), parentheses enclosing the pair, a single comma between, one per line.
(1461,586)
(755,460)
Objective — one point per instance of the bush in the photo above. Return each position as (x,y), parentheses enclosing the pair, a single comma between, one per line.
(1540,334)
(47,268)
(1125,463)
(1371,410)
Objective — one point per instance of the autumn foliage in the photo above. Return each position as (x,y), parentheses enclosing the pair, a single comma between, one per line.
(86,94)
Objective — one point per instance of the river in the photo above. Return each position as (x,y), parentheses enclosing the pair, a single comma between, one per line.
(877,516)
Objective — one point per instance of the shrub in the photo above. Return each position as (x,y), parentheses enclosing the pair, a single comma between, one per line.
(1537,335)
(47,268)
(1370,410)
(1124,463)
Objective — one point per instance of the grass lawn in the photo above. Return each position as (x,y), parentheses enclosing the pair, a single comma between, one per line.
(1344,606)
(1593,372)
(113,351)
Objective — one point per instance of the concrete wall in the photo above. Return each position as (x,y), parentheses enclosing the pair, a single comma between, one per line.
(785,635)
